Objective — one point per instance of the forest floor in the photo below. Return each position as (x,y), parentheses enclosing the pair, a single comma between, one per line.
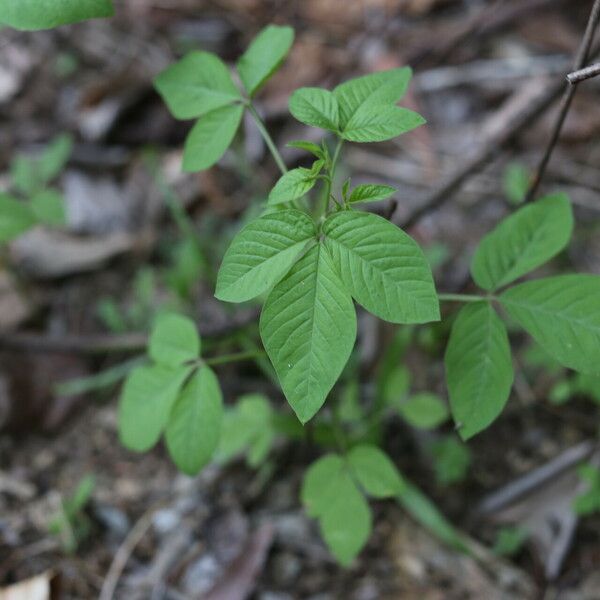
(233,532)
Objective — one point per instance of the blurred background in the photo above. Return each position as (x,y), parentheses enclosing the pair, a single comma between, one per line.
(76,301)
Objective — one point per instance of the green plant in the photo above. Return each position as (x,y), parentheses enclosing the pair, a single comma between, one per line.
(47,14)
(308,257)
(36,202)
(588,502)
(71,525)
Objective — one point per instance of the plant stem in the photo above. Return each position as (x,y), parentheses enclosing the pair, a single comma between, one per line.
(329,182)
(268,139)
(463,298)
(236,357)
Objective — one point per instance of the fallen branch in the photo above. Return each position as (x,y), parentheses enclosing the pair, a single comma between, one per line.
(107,343)
(580,60)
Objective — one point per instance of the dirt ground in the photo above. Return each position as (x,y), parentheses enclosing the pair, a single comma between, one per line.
(234,532)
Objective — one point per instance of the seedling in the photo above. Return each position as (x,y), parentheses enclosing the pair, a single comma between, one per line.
(311,255)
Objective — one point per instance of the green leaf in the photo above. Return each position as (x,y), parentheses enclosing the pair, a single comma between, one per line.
(293,184)
(31,15)
(308,328)
(383,268)
(264,56)
(347,522)
(424,411)
(48,206)
(380,123)
(210,137)
(55,157)
(262,253)
(248,426)
(316,107)
(523,241)
(194,426)
(375,472)
(319,485)
(370,192)
(479,368)
(25,176)
(146,401)
(451,459)
(174,340)
(329,493)
(563,315)
(375,89)
(15,218)
(199,83)
(515,183)
(308,146)
(425,512)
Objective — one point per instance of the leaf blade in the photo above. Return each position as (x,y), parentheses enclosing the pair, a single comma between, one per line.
(32,15)
(199,83)
(264,56)
(383,268)
(210,137)
(194,426)
(370,192)
(145,404)
(522,242)
(562,314)
(383,87)
(315,107)
(262,253)
(174,340)
(292,185)
(308,328)
(479,370)
(380,123)
(374,470)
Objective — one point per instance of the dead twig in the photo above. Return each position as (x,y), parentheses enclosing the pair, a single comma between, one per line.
(107,343)
(583,74)
(580,59)
(519,112)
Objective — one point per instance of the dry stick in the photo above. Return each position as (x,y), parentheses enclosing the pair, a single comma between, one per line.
(106,343)
(580,60)
(529,109)
(583,74)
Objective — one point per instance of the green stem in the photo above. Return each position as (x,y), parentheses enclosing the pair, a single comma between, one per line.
(463,298)
(329,182)
(236,357)
(268,139)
